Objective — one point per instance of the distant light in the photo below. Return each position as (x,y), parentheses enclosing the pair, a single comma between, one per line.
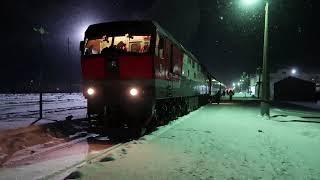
(233,84)
(293,71)
(249,2)
(133,92)
(81,26)
(253,89)
(81,30)
(238,84)
(90,91)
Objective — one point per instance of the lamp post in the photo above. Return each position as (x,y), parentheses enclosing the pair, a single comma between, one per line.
(265,103)
(41,32)
(259,80)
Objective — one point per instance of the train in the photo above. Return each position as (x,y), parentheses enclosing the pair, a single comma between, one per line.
(136,75)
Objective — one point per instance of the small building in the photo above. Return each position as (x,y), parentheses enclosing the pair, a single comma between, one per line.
(294,89)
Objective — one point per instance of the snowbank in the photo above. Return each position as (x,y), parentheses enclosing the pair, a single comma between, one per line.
(19,110)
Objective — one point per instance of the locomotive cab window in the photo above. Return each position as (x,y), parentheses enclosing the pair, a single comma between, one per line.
(123,43)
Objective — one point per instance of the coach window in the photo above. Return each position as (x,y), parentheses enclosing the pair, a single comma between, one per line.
(161,47)
(171,58)
(157,45)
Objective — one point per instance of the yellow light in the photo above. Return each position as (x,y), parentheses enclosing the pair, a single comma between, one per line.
(90,91)
(133,92)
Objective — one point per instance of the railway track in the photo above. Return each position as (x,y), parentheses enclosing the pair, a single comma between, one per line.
(41,154)
(63,173)
(81,137)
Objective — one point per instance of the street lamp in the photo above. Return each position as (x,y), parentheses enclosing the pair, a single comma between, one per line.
(42,31)
(265,103)
(293,71)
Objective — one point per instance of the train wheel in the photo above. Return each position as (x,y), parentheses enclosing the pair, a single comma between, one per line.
(165,114)
(173,112)
(154,122)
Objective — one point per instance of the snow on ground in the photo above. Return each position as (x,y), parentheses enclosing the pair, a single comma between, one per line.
(313,105)
(226,141)
(239,96)
(54,162)
(19,110)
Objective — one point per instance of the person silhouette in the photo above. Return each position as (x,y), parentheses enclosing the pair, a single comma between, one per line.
(218,97)
(121,45)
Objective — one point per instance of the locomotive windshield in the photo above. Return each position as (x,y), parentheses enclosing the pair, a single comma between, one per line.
(124,43)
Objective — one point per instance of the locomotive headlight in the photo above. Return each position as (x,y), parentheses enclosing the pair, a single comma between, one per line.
(90,91)
(134,92)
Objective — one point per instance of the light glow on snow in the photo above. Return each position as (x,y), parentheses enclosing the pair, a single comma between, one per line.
(249,2)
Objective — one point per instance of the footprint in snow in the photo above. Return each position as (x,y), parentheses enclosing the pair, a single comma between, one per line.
(108,158)
(124,151)
(73,175)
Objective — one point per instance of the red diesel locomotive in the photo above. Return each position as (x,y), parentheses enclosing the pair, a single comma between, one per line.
(137,75)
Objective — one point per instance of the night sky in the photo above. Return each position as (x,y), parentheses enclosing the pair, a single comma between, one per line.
(225,36)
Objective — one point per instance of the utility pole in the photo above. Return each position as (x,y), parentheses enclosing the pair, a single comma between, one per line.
(42,32)
(68,60)
(265,104)
(259,80)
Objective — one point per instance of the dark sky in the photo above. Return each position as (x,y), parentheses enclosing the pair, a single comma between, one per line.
(225,36)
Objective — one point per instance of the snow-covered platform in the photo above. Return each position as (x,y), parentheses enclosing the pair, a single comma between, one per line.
(226,141)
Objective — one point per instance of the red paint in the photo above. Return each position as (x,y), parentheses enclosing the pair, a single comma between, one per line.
(136,67)
(93,68)
(130,67)
(163,66)
(177,61)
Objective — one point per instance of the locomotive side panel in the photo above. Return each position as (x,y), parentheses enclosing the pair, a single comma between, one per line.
(176,73)
(194,77)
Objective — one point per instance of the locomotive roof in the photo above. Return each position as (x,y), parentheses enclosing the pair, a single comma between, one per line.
(168,35)
(138,26)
